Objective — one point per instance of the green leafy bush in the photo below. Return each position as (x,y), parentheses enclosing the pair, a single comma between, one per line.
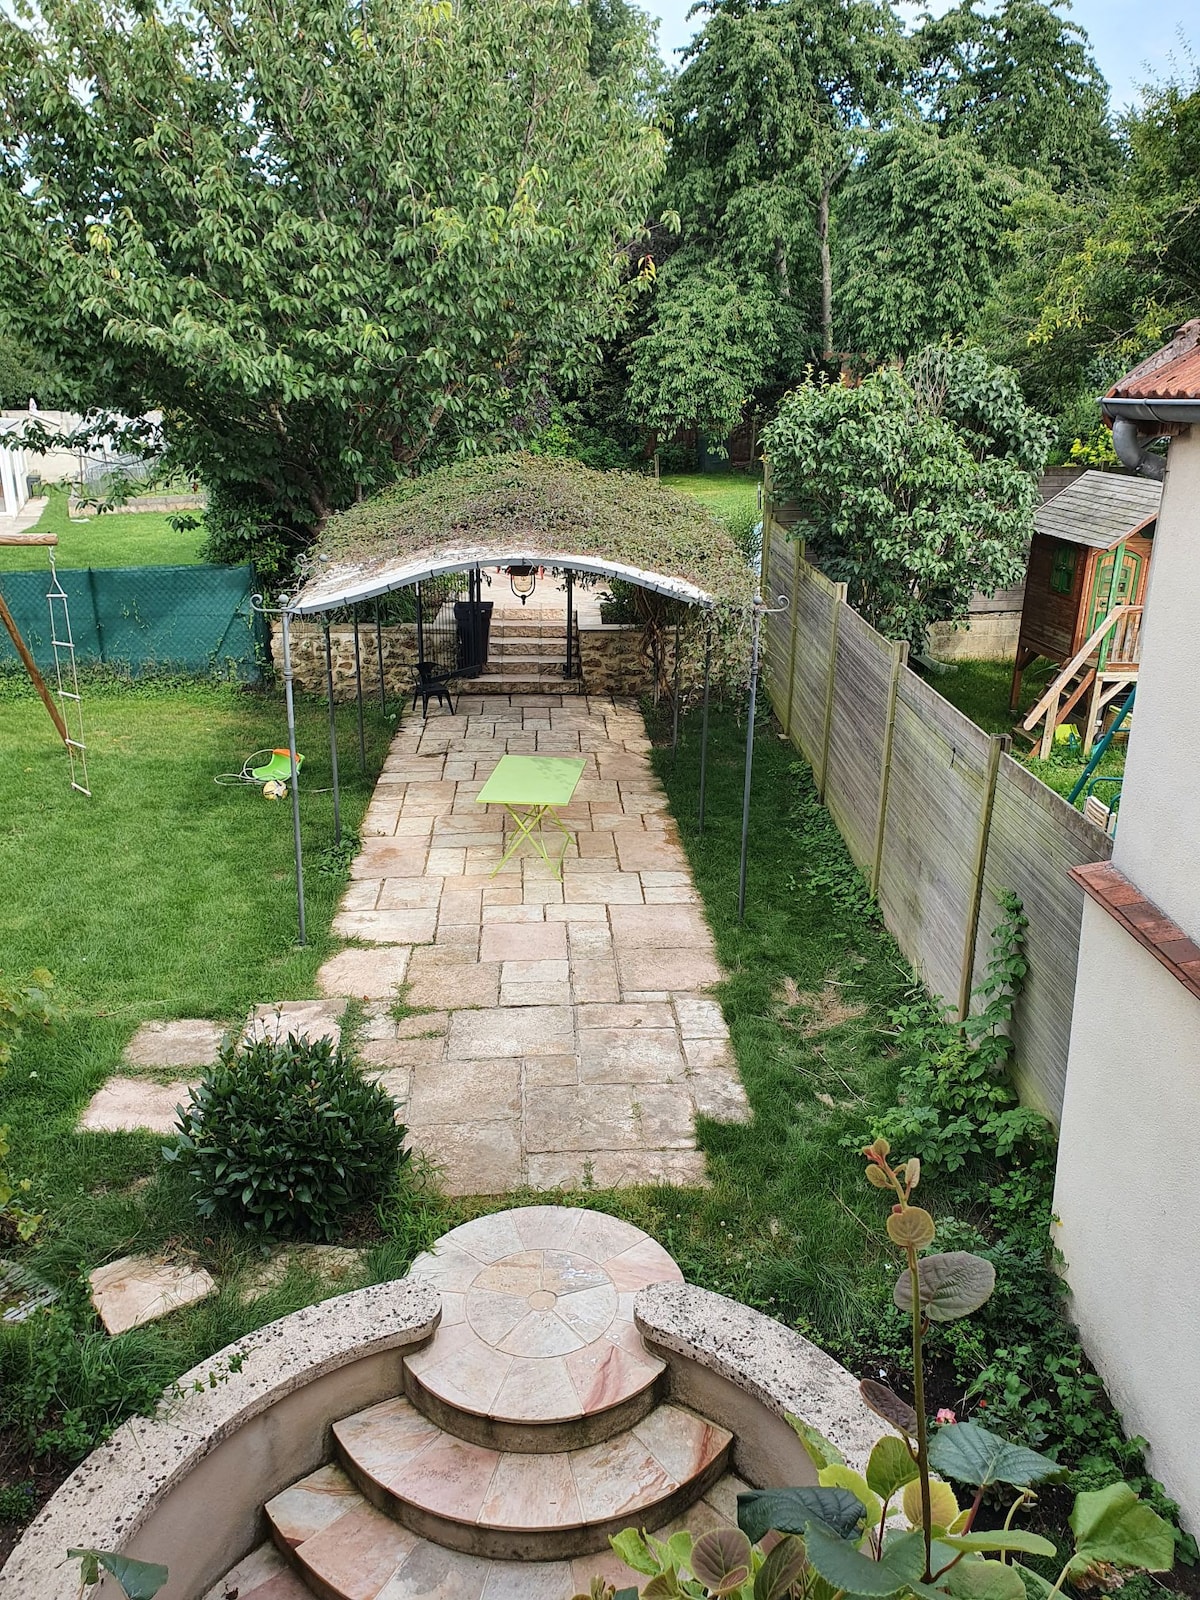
(288,1138)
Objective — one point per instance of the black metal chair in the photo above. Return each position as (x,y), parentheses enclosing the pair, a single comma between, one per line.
(433,680)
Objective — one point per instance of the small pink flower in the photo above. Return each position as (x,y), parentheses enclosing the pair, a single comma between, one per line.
(945,1415)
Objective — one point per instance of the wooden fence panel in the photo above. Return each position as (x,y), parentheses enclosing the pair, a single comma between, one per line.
(1035,837)
(779,570)
(938,800)
(858,734)
(815,603)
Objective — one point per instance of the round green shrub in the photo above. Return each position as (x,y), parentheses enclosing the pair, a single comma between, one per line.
(287,1138)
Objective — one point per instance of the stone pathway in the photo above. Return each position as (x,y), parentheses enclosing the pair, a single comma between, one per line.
(561,1032)
(533,1032)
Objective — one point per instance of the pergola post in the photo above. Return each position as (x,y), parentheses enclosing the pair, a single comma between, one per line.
(704,721)
(379,651)
(333,748)
(675,698)
(362,743)
(291,726)
(749,761)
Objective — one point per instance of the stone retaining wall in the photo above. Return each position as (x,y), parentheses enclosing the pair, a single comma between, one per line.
(609,657)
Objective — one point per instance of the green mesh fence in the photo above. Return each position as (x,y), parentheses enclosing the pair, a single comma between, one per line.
(189,619)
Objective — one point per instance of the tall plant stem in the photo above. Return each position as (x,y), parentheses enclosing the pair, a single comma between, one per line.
(919,1404)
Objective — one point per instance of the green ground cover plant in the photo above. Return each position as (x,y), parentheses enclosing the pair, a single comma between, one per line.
(980,689)
(112,539)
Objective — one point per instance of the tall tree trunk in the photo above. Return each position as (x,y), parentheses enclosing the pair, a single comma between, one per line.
(826,270)
(781,270)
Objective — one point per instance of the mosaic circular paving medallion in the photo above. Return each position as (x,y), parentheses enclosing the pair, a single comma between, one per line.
(537,1314)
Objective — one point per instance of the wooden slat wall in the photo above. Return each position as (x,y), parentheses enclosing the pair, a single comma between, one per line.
(962,822)
(937,794)
(858,729)
(1035,838)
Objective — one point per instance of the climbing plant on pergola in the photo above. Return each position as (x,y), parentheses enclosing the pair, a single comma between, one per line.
(525,510)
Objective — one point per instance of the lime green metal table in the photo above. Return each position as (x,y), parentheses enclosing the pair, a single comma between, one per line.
(531,788)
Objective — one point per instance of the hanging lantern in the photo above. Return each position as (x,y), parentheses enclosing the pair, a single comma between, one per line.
(523,581)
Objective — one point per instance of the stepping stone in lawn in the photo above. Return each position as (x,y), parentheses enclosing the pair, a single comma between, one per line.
(307,1019)
(187,1042)
(138,1289)
(124,1105)
(333,1262)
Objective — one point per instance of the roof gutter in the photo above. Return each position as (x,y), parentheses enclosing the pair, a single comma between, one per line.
(1177,412)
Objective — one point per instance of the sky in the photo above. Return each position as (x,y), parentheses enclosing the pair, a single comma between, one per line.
(1132,40)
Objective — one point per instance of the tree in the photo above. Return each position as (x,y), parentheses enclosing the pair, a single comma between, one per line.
(765,117)
(1021,82)
(920,229)
(713,340)
(1096,283)
(331,241)
(916,487)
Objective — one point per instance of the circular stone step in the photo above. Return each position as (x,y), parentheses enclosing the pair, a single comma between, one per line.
(537,1348)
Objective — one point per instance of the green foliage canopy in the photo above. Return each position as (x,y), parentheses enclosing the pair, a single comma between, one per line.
(1021,82)
(307,236)
(713,340)
(915,487)
(765,118)
(920,229)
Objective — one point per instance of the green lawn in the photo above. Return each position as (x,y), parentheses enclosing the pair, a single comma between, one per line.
(732,495)
(980,689)
(113,539)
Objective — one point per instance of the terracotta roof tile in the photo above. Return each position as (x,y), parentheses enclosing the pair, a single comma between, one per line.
(1172,373)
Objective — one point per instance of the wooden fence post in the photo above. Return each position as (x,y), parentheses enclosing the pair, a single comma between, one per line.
(787,721)
(997,745)
(839,600)
(899,662)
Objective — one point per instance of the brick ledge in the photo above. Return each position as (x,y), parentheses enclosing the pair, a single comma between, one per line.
(1141,918)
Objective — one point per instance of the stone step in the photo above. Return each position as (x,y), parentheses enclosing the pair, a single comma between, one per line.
(522,683)
(520,628)
(510,1506)
(540,661)
(538,1349)
(333,1543)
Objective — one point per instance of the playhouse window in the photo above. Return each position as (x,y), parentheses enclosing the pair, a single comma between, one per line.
(1062,571)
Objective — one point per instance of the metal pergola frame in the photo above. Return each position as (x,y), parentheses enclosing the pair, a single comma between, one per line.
(319,596)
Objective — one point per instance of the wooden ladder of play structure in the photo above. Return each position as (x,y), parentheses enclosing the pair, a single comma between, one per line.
(1106,664)
(64,703)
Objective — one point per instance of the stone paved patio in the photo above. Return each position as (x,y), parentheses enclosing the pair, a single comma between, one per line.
(562,1032)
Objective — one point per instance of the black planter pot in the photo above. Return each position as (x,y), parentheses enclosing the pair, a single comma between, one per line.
(473,620)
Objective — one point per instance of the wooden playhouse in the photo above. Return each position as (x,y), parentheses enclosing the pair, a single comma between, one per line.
(1084,591)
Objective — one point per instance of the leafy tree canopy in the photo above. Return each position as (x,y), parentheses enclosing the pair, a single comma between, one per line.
(714,339)
(1094,284)
(915,487)
(1019,80)
(329,241)
(919,236)
(765,118)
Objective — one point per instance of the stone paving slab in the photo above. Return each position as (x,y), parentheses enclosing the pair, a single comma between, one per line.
(307,1019)
(138,1289)
(570,1038)
(127,1105)
(187,1042)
